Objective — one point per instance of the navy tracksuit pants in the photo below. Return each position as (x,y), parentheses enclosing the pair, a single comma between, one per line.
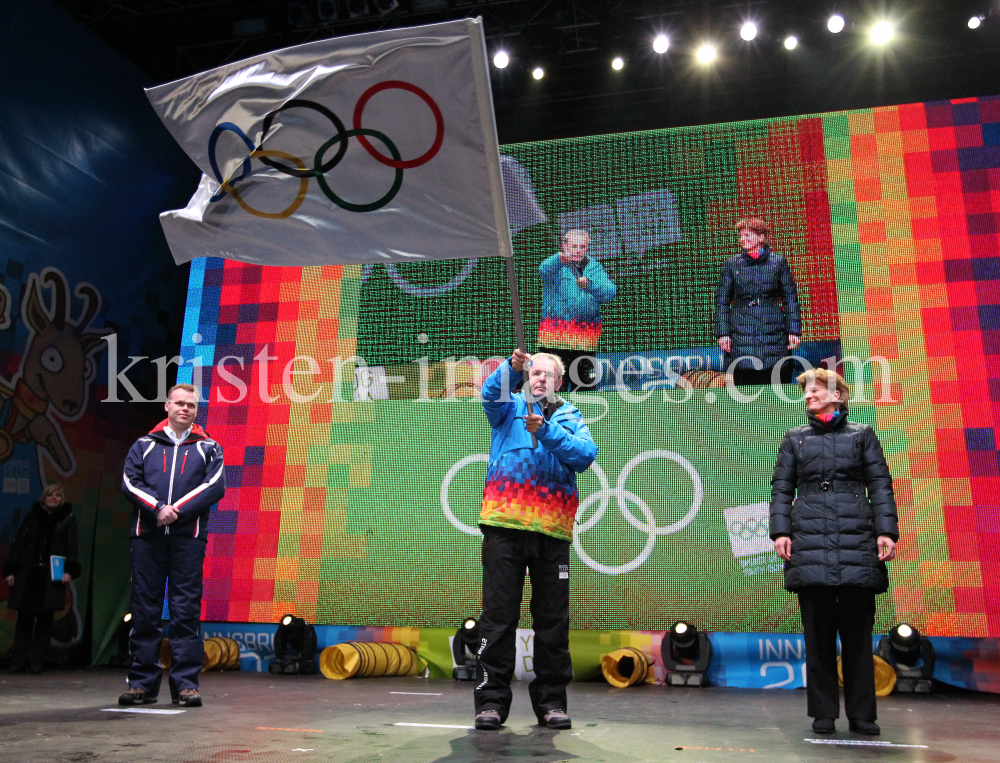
(155,558)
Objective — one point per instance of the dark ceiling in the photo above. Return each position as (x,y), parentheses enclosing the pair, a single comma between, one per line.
(934,55)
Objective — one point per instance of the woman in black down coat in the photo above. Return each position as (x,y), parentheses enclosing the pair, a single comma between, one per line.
(48,530)
(835,541)
(757,308)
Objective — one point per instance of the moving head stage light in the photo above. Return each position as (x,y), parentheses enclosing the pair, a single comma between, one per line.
(911,656)
(294,648)
(463,650)
(686,655)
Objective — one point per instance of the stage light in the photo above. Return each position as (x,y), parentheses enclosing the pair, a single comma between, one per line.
(294,648)
(882,32)
(911,656)
(501,59)
(661,44)
(127,618)
(538,72)
(748,31)
(464,646)
(124,631)
(686,654)
(835,23)
(705,54)
(791,42)
(975,22)
(618,63)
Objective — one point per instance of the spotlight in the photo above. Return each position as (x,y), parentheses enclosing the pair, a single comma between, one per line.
(975,22)
(538,72)
(294,648)
(463,650)
(618,63)
(385,6)
(356,8)
(326,10)
(501,59)
(791,42)
(911,656)
(882,32)
(705,54)
(661,44)
(686,654)
(748,31)
(835,23)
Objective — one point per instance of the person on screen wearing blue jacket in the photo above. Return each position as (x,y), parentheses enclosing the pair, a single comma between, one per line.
(574,286)
(529,506)
(173,477)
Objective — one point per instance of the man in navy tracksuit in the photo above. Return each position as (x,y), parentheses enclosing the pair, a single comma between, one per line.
(173,477)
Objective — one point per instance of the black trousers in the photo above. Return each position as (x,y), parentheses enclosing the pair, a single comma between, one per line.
(32,635)
(849,611)
(154,559)
(506,554)
(581,377)
(745,377)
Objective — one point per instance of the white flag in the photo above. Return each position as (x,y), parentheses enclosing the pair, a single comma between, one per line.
(377,147)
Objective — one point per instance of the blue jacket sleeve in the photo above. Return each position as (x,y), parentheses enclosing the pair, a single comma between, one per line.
(600,285)
(549,269)
(498,393)
(134,485)
(211,488)
(576,449)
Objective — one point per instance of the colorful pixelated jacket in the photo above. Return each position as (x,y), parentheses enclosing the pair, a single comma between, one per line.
(532,488)
(190,476)
(571,316)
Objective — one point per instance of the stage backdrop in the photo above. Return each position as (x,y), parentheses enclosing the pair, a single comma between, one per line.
(353,500)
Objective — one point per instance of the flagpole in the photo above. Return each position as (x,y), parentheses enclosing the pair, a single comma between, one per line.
(515,303)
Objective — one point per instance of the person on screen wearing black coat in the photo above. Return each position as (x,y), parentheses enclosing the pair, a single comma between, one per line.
(757,318)
(48,530)
(833,521)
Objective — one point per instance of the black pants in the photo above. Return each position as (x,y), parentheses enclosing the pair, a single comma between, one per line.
(581,368)
(32,635)
(745,377)
(827,611)
(154,559)
(506,554)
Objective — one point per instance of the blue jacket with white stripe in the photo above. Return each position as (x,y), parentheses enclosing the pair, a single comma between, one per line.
(190,477)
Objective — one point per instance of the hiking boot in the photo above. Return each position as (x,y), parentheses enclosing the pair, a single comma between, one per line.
(556,719)
(136,696)
(488,720)
(189,698)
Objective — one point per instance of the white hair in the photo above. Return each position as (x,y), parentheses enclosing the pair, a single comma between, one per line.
(579,232)
(556,361)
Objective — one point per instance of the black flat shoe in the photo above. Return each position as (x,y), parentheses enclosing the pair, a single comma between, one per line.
(824,726)
(865,727)
(488,720)
(136,697)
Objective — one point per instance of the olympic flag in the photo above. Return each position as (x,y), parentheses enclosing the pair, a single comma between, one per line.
(377,147)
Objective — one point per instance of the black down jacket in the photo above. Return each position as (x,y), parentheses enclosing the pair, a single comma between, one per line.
(748,307)
(40,536)
(833,524)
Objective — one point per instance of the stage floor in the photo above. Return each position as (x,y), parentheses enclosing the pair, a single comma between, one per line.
(260,718)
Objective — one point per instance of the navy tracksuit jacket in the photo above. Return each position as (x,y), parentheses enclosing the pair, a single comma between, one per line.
(189,476)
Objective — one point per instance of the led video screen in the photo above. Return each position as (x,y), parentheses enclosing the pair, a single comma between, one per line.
(346,398)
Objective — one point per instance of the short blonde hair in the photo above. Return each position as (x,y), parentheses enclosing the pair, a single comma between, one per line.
(831,379)
(576,232)
(185,387)
(52,487)
(556,361)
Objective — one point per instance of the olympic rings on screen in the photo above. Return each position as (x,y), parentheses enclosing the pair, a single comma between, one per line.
(262,154)
(396,162)
(319,166)
(749,528)
(622,496)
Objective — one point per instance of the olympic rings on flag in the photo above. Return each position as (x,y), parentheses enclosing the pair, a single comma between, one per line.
(262,154)
(622,496)
(396,161)
(319,166)
(378,203)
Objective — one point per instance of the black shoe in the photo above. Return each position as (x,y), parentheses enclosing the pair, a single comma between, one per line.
(34,669)
(136,696)
(864,727)
(16,667)
(824,726)
(556,719)
(188,698)
(488,720)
